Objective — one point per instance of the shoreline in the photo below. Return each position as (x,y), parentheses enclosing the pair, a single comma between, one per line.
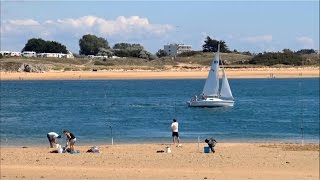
(141,161)
(168,141)
(307,72)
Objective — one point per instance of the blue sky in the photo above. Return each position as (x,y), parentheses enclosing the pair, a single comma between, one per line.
(244,25)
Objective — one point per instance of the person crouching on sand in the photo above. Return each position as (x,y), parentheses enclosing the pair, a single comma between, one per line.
(211,143)
(52,137)
(71,139)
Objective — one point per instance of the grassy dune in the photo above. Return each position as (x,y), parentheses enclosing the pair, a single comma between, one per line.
(197,61)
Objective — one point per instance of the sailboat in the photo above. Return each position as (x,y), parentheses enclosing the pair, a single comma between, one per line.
(212,95)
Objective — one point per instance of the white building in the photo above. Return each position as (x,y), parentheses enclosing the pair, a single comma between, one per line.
(55,55)
(52,55)
(175,49)
(69,55)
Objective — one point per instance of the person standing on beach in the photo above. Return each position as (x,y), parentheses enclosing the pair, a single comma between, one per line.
(71,139)
(52,137)
(175,131)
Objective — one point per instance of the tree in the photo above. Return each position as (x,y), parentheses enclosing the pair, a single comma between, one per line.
(128,46)
(287,51)
(105,52)
(128,50)
(90,44)
(306,51)
(122,46)
(55,47)
(42,46)
(37,45)
(211,45)
(161,53)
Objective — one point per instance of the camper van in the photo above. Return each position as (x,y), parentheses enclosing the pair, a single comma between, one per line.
(29,54)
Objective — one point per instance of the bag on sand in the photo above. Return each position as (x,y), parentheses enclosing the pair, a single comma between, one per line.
(94,149)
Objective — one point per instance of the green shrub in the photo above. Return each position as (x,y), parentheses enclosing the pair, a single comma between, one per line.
(272,58)
(189,53)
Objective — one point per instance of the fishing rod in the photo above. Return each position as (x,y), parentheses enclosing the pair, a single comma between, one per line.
(301,112)
(108,124)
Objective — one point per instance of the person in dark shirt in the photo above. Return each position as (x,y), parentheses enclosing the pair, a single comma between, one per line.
(211,143)
(71,139)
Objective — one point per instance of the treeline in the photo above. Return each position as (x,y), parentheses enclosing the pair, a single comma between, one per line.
(286,57)
(90,45)
(98,46)
(273,58)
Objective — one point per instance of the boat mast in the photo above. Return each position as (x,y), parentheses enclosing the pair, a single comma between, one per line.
(220,60)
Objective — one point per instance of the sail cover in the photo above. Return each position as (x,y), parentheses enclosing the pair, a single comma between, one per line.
(211,87)
(225,91)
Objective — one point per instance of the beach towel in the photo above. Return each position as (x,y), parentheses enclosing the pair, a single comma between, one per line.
(74,152)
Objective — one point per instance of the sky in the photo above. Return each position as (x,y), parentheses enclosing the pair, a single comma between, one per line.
(254,26)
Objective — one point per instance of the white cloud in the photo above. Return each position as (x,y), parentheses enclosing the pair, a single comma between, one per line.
(95,25)
(23,22)
(257,39)
(306,42)
(69,30)
(17,25)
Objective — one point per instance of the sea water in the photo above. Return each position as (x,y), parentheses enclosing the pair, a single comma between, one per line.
(141,111)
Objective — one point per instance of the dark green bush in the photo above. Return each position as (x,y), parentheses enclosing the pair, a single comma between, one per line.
(189,53)
(272,58)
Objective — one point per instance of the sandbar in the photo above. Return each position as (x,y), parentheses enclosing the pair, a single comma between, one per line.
(167,74)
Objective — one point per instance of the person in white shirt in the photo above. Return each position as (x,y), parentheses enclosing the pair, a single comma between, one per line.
(175,131)
(52,137)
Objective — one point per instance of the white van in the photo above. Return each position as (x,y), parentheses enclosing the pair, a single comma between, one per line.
(29,54)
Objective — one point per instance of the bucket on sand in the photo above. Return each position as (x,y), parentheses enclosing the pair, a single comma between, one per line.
(60,150)
(206,149)
(168,150)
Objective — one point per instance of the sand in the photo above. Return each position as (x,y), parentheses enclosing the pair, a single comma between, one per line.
(141,161)
(172,74)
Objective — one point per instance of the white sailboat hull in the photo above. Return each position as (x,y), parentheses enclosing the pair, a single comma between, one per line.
(211,102)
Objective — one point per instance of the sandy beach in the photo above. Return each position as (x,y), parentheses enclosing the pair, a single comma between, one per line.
(172,74)
(141,161)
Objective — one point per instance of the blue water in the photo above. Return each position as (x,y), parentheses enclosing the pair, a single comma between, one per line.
(141,111)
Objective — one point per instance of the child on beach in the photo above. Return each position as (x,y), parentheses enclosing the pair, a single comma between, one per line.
(71,139)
